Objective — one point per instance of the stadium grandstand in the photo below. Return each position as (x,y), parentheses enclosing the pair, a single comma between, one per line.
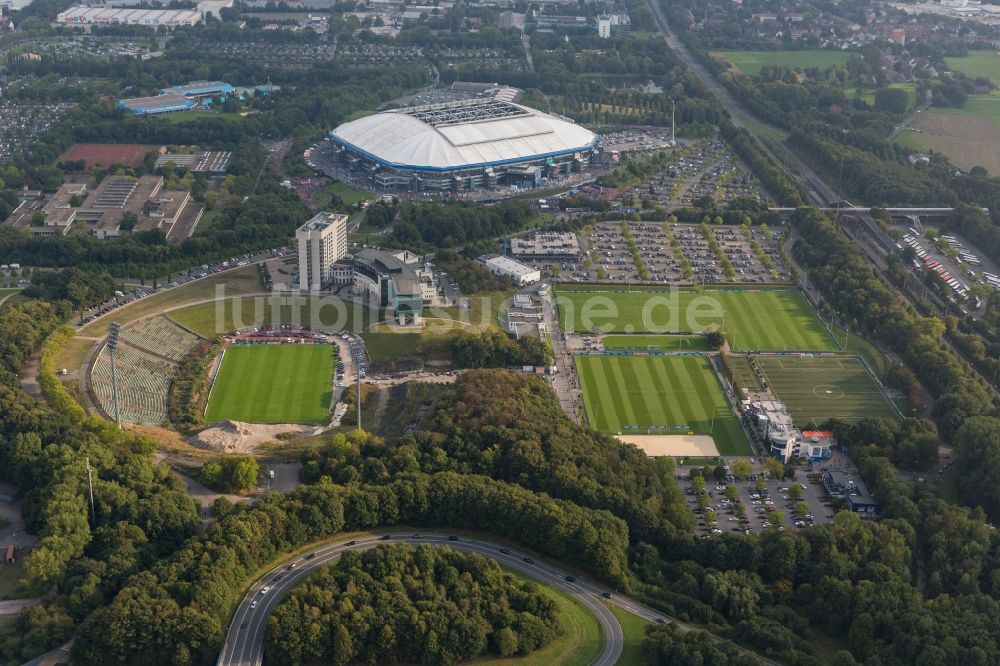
(146,359)
(461,146)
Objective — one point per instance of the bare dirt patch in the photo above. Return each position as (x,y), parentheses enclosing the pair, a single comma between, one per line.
(239,437)
(700,446)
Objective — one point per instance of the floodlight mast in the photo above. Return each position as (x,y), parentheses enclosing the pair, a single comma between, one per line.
(113,333)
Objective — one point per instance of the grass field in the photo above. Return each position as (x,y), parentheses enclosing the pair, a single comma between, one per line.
(634,631)
(656,342)
(347,194)
(659,394)
(192,116)
(208,319)
(978,63)
(273,384)
(7,293)
(868,94)
(771,320)
(244,280)
(750,62)
(819,388)
(578,645)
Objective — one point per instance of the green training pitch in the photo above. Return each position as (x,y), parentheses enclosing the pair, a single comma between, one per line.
(659,395)
(273,384)
(818,388)
(753,320)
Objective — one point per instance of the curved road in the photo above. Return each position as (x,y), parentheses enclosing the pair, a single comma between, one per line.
(244,645)
(245,640)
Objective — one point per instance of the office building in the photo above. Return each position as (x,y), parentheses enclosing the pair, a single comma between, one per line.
(322,242)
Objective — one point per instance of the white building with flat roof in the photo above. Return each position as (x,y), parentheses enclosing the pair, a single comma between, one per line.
(507,267)
(322,242)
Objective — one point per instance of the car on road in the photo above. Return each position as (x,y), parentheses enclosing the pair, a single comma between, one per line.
(505,551)
(253,604)
(309,556)
(351,543)
(453,538)
(570,579)
(265,589)
(385,537)
(606,595)
(528,560)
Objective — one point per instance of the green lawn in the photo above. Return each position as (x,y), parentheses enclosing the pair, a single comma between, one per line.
(191,116)
(824,387)
(579,645)
(978,63)
(634,632)
(868,94)
(750,62)
(7,293)
(656,342)
(767,319)
(330,314)
(661,394)
(347,194)
(273,384)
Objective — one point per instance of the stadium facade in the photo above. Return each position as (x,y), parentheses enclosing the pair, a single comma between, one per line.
(462,146)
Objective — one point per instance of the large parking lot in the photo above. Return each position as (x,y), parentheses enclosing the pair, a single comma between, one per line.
(673,253)
(761,498)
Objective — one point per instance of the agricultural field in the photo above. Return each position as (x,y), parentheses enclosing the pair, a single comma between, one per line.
(978,63)
(765,319)
(273,384)
(969,136)
(659,395)
(823,387)
(751,62)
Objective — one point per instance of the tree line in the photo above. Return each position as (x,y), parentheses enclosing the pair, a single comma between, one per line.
(400,604)
(510,426)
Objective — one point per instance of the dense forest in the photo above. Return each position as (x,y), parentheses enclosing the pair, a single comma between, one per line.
(399,604)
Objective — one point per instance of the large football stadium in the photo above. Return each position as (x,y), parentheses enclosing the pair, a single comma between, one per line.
(462,146)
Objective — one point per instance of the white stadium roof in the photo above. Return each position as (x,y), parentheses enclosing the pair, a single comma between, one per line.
(449,137)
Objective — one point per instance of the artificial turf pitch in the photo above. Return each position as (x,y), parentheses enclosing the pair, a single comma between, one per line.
(273,383)
(817,388)
(665,395)
(752,319)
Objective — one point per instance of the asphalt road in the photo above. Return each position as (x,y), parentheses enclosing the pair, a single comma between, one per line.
(244,643)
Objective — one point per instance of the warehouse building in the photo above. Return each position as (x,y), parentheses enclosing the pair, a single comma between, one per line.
(178,98)
(506,267)
(461,146)
(155,105)
(154,18)
(322,242)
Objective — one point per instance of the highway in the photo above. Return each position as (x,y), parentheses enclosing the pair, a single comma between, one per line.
(244,644)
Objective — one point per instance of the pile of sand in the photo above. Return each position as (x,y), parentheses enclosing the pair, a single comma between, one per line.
(239,437)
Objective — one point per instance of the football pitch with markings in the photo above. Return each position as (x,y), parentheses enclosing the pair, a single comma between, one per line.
(273,383)
(659,395)
(817,388)
(752,319)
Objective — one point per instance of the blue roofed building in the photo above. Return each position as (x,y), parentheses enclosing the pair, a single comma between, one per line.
(155,105)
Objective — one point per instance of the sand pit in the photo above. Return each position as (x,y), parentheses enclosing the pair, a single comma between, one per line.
(699,446)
